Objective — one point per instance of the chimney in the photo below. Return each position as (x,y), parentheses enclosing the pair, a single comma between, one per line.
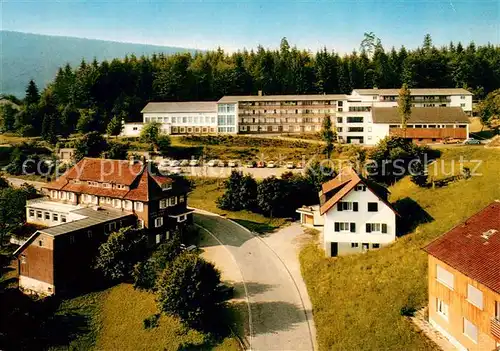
(259,93)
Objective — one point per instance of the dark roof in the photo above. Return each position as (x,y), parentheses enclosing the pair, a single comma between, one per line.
(421,115)
(473,247)
(177,107)
(334,190)
(415,91)
(93,217)
(310,97)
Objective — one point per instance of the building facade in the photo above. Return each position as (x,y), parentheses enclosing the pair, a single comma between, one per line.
(357,215)
(92,199)
(464,282)
(351,115)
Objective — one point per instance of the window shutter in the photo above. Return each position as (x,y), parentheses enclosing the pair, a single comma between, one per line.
(355,206)
(339,206)
(368,228)
(337,227)
(353,227)
(384,228)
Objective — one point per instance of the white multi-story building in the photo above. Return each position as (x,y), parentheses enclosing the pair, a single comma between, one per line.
(352,115)
(357,215)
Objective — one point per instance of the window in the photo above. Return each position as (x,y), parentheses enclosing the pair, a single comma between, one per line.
(373,207)
(138,206)
(163,203)
(339,129)
(497,310)
(110,227)
(475,296)
(342,226)
(181,218)
(462,105)
(40,243)
(71,239)
(55,217)
(89,234)
(181,199)
(339,119)
(46,216)
(166,186)
(340,103)
(140,223)
(127,204)
(375,246)
(373,227)
(158,238)
(365,246)
(347,206)
(32,213)
(444,277)
(355,129)
(354,245)
(470,330)
(39,214)
(354,119)
(339,109)
(462,97)
(63,219)
(172,201)
(158,222)
(442,308)
(360,187)
(117,203)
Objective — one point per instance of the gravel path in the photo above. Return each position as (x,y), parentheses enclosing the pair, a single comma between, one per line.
(280,315)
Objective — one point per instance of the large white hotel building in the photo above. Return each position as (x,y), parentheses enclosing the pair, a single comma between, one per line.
(363,117)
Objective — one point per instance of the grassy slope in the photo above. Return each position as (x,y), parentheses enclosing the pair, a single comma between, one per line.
(208,190)
(115,322)
(357,299)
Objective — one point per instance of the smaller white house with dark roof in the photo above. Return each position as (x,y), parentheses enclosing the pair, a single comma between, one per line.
(357,215)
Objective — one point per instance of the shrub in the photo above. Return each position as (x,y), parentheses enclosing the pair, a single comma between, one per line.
(241,193)
(188,289)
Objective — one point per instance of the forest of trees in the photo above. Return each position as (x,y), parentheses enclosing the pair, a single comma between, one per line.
(87,97)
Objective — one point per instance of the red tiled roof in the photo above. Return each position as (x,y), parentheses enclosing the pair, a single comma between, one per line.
(343,183)
(465,249)
(143,186)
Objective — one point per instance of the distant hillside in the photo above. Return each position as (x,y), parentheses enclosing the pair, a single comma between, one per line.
(25,56)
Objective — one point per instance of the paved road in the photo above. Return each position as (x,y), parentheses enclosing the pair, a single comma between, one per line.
(279,320)
(17,182)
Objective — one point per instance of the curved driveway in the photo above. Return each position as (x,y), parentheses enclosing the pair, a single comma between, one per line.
(279,320)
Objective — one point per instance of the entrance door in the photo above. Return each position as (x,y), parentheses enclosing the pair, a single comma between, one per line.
(334,249)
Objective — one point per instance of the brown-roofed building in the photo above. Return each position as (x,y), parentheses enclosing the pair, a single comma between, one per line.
(464,281)
(92,199)
(425,125)
(357,214)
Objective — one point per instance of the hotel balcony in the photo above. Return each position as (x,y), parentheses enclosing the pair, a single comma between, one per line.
(495,329)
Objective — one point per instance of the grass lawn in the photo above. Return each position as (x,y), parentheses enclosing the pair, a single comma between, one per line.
(357,299)
(114,321)
(208,190)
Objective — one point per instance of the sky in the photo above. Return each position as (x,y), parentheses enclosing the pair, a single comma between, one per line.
(234,25)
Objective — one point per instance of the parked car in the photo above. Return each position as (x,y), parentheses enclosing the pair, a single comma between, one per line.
(163,165)
(299,165)
(290,165)
(175,163)
(451,141)
(184,163)
(271,164)
(176,170)
(220,163)
(251,164)
(194,163)
(261,164)
(212,163)
(233,163)
(472,141)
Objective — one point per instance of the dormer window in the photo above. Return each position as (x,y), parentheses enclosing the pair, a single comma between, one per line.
(120,186)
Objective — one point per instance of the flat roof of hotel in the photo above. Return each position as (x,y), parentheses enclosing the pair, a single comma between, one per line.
(415,91)
(180,107)
(244,98)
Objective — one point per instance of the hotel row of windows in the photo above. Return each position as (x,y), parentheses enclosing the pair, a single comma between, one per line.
(116,203)
(182,130)
(182,120)
(351,227)
(288,112)
(62,195)
(284,128)
(172,201)
(281,120)
(289,103)
(226,129)
(159,220)
(474,297)
(100,184)
(46,216)
(226,120)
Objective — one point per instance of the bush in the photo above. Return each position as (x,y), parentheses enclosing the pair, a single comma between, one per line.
(119,254)
(188,289)
(240,194)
